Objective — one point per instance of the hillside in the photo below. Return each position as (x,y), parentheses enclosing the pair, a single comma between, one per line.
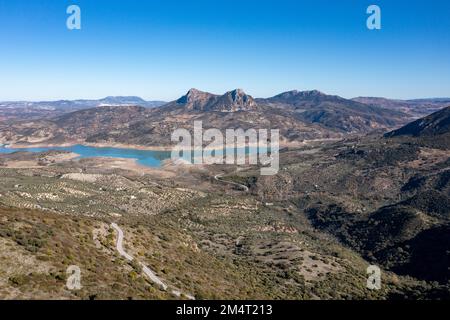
(71,127)
(386,198)
(416,108)
(437,123)
(433,130)
(335,112)
(214,244)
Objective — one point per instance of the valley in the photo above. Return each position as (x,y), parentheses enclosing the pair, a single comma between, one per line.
(224,158)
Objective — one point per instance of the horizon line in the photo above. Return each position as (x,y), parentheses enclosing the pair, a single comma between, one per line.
(174,99)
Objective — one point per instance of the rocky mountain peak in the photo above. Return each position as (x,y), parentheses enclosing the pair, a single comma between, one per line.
(236,100)
(194,95)
(232,101)
(196,99)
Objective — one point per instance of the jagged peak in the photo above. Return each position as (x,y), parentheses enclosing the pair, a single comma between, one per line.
(237,93)
(194,91)
(193,95)
(237,99)
(231,101)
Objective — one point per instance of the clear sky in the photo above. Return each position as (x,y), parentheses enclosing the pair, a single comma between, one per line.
(158,49)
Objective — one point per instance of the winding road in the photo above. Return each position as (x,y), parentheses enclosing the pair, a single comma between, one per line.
(119,243)
(219,176)
(147,271)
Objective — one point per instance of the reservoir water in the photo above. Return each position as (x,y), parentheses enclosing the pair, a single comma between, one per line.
(148,158)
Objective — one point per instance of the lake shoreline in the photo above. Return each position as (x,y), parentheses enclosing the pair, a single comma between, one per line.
(147,158)
(85,144)
(283,144)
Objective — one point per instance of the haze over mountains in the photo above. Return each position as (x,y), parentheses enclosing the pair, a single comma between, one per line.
(71,105)
(28,110)
(415,107)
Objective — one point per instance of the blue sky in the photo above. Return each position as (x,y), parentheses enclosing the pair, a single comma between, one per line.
(158,49)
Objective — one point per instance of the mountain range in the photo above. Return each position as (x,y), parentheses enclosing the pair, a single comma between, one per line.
(300,115)
(72,105)
(335,112)
(28,110)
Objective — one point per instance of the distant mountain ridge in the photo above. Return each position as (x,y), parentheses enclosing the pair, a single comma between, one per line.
(84,103)
(130,100)
(299,98)
(26,110)
(336,112)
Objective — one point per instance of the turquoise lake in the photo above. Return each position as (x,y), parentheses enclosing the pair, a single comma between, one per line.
(144,157)
(147,158)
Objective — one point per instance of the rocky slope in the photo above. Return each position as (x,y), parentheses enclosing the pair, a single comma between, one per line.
(233,101)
